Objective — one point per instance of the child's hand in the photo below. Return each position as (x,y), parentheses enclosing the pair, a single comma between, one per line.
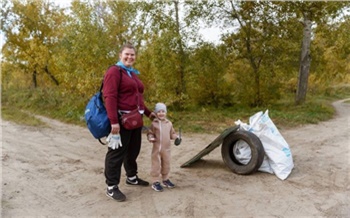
(177,141)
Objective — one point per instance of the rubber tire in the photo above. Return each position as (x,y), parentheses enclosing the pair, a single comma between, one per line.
(256,147)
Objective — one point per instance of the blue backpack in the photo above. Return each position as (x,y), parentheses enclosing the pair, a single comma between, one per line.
(96,116)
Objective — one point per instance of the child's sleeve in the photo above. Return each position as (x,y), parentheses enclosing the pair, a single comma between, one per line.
(150,131)
(150,134)
(173,134)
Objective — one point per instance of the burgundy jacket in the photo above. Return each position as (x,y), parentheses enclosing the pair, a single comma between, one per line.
(126,97)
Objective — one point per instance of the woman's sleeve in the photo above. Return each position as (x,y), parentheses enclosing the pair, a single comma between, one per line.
(110,93)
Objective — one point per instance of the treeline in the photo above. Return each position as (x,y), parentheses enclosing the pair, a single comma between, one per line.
(269,49)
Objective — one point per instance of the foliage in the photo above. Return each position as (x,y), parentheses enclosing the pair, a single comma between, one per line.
(32,29)
(338,91)
(208,84)
(93,35)
(264,42)
(332,65)
(164,59)
(254,66)
(56,58)
(309,13)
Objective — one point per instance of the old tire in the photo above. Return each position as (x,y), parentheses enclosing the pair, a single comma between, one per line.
(256,147)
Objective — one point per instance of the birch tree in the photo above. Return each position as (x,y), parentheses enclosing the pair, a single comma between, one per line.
(309,14)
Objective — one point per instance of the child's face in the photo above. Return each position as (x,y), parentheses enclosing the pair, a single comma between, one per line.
(161,114)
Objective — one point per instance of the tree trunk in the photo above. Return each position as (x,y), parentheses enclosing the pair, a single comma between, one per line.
(305,61)
(51,76)
(182,85)
(35,83)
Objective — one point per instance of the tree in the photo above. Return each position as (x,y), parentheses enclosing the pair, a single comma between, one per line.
(258,29)
(252,42)
(332,64)
(165,54)
(309,13)
(93,34)
(207,83)
(32,29)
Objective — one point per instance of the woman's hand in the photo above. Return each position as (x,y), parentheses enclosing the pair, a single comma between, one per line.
(152,116)
(151,138)
(115,128)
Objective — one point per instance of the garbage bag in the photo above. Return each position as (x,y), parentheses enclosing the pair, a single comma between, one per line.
(279,159)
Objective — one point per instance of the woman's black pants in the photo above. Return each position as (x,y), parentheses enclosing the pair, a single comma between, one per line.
(127,154)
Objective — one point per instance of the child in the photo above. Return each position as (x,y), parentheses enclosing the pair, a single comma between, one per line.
(160,134)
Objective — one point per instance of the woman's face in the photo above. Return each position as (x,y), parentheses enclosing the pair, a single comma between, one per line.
(127,57)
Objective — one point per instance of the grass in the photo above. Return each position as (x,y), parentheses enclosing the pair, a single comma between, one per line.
(20,117)
(44,102)
(285,115)
(18,105)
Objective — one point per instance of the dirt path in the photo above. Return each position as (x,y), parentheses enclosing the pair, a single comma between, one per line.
(58,172)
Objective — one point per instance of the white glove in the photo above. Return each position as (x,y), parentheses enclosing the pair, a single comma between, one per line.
(114,141)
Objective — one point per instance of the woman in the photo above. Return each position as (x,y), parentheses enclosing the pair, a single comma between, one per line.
(123,92)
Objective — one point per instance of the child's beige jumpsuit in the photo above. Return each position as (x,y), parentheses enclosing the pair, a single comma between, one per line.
(163,133)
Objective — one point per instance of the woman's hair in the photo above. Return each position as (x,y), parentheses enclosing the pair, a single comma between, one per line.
(127,45)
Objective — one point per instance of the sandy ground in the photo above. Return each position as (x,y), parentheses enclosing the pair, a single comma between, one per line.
(58,172)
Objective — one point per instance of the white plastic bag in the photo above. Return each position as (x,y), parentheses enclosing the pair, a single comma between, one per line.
(277,150)
(243,154)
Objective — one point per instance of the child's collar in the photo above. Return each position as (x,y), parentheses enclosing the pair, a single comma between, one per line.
(159,120)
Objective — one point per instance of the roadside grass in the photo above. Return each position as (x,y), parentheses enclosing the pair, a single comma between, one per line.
(20,117)
(46,102)
(17,105)
(284,114)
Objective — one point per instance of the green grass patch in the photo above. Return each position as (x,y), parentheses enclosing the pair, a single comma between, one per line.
(46,102)
(284,115)
(20,117)
(339,91)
